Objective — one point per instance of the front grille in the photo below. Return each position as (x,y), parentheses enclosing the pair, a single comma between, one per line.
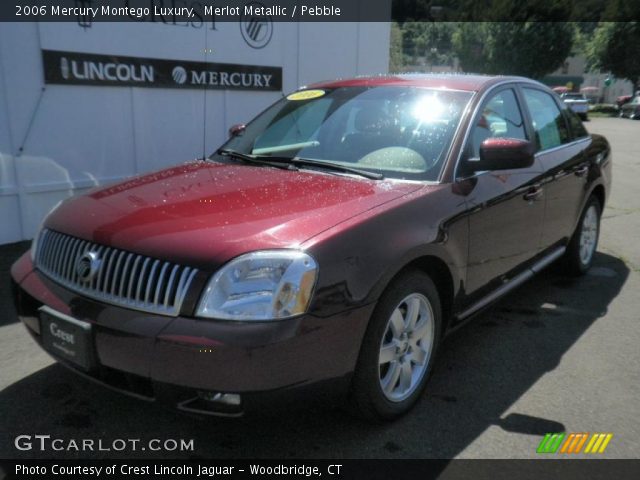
(118,277)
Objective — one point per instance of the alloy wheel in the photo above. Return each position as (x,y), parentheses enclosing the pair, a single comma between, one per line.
(406,347)
(588,235)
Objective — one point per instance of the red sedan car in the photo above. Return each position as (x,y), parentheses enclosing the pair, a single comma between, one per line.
(331,242)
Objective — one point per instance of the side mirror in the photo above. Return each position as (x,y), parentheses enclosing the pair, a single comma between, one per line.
(503,154)
(237,129)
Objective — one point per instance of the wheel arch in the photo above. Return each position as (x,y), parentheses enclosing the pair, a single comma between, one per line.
(439,272)
(599,192)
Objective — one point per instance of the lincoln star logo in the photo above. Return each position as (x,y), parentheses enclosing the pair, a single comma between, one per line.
(87,266)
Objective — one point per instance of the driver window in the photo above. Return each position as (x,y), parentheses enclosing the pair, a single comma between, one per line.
(500,117)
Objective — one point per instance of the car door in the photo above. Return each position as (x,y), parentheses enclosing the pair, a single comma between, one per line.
(505,207)
(561,154)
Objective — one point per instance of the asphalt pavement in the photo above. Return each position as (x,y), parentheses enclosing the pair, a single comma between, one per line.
(557,355)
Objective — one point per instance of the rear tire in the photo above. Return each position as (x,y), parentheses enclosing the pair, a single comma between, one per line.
(398,349)
(581,249)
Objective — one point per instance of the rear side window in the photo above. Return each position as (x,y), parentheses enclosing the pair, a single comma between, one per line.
(577,128)
(549,125)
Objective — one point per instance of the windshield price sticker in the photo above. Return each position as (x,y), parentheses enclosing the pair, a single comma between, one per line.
(306,95)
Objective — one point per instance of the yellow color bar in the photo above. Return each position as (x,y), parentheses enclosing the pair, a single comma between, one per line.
(591,442)
(605,443)
(598,442)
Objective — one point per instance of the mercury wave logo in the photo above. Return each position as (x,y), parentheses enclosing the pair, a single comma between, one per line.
(256,30)
(179,75)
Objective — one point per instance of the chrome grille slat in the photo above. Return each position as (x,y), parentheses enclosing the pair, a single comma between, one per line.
(45,256)
(123,278)
(107,272)
(73,250)
(141,278)
(84,248)
(51,253)
(170,286)
(116,269)
(77,247)
(60,252)
(132,278)
(103,269)
(152,276)
(156,298)
(94,282)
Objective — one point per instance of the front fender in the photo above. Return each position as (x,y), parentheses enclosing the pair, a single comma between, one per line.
(359,258)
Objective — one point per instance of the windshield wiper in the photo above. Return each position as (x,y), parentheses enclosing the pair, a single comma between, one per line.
(335,166)
(291,163)
(278,163)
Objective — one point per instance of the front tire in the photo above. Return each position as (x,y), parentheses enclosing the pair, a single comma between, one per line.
(399,348)
(584,242)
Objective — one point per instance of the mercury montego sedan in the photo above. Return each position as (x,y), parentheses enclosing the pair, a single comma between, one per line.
(331,242)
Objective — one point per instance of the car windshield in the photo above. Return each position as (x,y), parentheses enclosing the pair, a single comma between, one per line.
(574,96)
(398,132)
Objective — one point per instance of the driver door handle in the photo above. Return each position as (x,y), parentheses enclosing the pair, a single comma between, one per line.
(533,193)
(582,171)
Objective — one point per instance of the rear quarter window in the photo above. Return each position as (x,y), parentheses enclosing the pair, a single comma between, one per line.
(575,124)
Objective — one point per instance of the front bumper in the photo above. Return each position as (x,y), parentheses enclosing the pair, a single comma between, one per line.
(177,358)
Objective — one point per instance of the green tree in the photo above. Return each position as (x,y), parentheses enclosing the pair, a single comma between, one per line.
(395,49)
(428,40)
(530,49)
(614,48)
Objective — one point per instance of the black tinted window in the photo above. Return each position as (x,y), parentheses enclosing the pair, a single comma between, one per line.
(548,122)
(577,128)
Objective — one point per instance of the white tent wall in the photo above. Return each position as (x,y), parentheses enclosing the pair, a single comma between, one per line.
(57,140)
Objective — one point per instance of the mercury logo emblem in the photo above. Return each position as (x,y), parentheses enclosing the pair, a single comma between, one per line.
(256,30)
(179,75)
(87,266)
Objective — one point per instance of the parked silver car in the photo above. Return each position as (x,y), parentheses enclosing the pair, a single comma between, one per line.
(631,109)
(577,102)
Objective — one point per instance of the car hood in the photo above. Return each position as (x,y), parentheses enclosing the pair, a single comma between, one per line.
(204,213)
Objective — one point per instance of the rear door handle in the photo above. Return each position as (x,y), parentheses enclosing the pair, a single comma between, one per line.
(582,171)
(533,193)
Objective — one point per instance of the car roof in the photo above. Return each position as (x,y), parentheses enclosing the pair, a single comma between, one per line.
(451,81)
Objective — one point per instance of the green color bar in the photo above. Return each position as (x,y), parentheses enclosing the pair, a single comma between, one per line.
(557,443)
(542,446)
(550,443)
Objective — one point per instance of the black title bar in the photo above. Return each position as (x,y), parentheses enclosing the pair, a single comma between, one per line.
(542,469)
(186,12)
(190,12)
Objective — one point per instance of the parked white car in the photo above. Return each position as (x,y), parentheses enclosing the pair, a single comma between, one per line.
(577,102)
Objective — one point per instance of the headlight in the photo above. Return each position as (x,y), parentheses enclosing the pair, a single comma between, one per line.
(266,285)
(34,243)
